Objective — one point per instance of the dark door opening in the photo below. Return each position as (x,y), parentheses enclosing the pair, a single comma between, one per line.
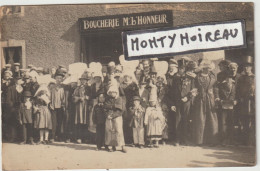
(13,55)
(103,47)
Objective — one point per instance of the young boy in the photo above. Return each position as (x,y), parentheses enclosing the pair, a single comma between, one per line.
(25,118)
(99,118)
(137,122)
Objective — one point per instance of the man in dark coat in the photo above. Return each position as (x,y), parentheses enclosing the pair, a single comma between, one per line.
(6,82)
(173,68)
(233,68)
(246,102)
(226,91)
(13,100)
(183,85)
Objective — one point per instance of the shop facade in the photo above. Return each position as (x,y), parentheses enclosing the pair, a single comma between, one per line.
(63,34)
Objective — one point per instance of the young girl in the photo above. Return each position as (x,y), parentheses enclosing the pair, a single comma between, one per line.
(114,124)
(153,121)
(25,118)
(43,120)
(137,121)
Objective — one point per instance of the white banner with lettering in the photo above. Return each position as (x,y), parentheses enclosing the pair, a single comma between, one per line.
(169,41)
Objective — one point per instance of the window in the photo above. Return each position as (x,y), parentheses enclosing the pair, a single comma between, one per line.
(13,10)
(13,55)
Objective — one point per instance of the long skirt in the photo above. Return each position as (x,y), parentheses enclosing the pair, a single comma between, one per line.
(114,135)
(43,118)
(154,130)
(92,126)
(205,125)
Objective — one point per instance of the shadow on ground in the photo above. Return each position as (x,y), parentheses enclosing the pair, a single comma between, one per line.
(74,146)
(236,156)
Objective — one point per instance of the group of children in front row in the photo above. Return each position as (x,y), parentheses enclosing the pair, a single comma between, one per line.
(37,112)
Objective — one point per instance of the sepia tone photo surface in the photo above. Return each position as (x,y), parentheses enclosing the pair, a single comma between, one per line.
(110,86)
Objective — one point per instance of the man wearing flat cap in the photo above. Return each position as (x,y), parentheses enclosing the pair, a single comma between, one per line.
(246,101)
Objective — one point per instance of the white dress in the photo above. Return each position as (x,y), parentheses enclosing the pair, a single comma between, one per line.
(154,120)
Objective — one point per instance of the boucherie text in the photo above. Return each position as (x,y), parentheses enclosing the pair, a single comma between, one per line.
(163,42)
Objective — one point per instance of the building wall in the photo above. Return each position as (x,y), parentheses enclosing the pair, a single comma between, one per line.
(51,32)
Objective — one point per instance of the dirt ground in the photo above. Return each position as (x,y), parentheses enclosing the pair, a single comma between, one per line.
(84,156)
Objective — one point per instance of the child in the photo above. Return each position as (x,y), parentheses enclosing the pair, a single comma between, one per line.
(137,122)
(43,120)
(153,121)
(99,118)
(227,100)
(113,106)
(25,118)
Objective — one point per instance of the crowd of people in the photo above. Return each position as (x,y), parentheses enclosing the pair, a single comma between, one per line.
(182,102)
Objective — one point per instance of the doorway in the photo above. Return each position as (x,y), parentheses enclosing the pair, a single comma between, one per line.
(103,47)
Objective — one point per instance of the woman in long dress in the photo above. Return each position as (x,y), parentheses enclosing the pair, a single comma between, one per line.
(205,117)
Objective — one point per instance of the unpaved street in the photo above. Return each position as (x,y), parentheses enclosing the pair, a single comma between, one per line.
(83,156)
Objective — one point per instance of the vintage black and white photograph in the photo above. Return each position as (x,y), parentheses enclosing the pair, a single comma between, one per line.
(128,85)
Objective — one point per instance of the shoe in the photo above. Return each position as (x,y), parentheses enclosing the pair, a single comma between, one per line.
(150,145)
(41,142)
(46,142)
(106,148)
(141,146)
(114,148)
(176,144)
(67,141)
(79,141)
(124,150)
(31,142)
(51,141)
(22,143)
(156,146)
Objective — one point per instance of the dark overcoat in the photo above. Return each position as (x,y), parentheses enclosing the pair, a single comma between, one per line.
(204,117)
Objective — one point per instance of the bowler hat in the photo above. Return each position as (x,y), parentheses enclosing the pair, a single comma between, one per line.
(30,66)
(16,64)
(26,76)
(136,98)
(8,66)
(27,94)
(59,72)
(85,76)
(173,61)
(225,63)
